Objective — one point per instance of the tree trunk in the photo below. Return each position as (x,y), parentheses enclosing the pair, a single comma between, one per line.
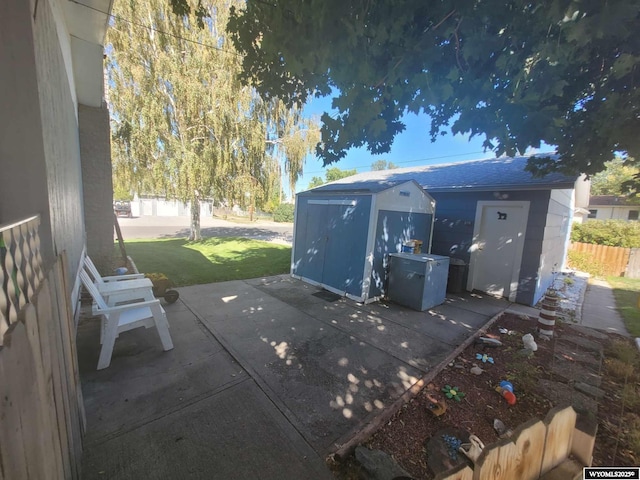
(194,234)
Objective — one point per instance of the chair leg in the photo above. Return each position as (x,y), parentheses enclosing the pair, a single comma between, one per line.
(162,326)
(109,339)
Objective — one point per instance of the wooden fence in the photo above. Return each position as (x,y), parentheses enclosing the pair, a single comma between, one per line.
(554,446)
(40,398)
(616,261)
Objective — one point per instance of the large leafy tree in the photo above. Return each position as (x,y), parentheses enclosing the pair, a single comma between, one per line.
(331,175)
(518,73)
(183,125)
(616,179)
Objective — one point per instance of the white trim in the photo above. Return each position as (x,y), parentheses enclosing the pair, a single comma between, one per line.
(293,236)
(75,292)
(515,272)
(348,203)
(371,238)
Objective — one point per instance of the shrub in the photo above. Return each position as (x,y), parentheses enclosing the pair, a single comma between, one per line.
(283,213)
(584,262)
(614,233)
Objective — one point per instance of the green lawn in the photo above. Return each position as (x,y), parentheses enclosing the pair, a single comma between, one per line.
(626,292)
(212,260)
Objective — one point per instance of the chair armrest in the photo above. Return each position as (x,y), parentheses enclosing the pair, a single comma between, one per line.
(129,276)
(125,307)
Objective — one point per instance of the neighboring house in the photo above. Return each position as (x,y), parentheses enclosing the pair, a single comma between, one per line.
(612,207)
(56,170)
(510,228)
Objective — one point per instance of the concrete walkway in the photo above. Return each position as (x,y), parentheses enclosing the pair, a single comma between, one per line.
(599,309)
(267,376)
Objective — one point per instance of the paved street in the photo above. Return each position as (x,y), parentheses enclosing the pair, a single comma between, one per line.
(172,227)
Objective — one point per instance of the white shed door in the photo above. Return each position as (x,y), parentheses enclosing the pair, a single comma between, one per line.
(499,239)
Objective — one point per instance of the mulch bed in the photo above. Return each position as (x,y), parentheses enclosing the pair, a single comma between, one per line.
(405,437)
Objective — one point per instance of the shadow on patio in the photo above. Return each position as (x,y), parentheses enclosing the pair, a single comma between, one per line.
(267,377)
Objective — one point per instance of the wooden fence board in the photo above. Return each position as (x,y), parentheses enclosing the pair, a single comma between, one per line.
(67,362)
(47,344)
(633,267)
(613,259)
(12,453)
(560,427)
(50,450)
(61,400)
(519,457)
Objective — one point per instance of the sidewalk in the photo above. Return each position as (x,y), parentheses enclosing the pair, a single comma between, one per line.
(599,309)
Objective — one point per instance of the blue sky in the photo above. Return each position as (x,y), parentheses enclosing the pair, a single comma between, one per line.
(412,147)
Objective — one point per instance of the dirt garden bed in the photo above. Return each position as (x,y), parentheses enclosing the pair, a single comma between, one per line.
(578,366)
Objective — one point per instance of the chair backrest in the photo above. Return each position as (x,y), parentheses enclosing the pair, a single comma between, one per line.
(92,270)
(92,289)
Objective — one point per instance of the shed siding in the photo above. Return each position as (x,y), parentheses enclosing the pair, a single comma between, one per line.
(392,230)
(454,225)
(556,232)
(331,240)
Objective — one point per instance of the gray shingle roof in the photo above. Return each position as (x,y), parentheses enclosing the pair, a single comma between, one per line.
(506,173)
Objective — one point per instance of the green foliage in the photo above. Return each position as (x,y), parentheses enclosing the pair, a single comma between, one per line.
(626,291)
(334,173)
(584,262)
(315,182)
(516,73)
(210,260)
(331,175)
(283,213)
(122,193)
(383,165)
(614,233)
(615,178)
(182,122)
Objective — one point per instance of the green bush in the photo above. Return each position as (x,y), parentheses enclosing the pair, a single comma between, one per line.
(283,213)
(584,262)
(614,233)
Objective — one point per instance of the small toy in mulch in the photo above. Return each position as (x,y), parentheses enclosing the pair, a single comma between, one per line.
(506,331)
(484,357)
(453,445)
(476,370)
(435,406)
(453,393)
(506,390)
(529,342)
(473,449)
(488,342)
(501,429)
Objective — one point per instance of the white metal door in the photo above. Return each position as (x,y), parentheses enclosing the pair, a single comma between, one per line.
(498,244)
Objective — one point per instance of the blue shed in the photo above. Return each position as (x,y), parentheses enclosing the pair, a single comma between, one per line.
(510,229)
(343,233)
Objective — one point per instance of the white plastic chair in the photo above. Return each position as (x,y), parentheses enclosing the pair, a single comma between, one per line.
(113,288)
(121,318)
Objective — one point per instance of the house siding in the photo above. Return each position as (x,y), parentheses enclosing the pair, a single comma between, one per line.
(60,137)
(454,226)
(23,190)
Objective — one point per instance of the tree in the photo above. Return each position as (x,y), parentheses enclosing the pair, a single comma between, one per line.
(518,73)
(331,175)
(334,173)
(183,126)
(615,179)
(383,165)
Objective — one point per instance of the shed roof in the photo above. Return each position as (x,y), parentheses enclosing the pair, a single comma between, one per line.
(361,187)
(505,173)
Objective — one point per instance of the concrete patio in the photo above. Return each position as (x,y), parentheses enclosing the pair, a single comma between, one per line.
(267,377)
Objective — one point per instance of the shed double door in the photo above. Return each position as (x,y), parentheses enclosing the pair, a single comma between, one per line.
(336,239)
